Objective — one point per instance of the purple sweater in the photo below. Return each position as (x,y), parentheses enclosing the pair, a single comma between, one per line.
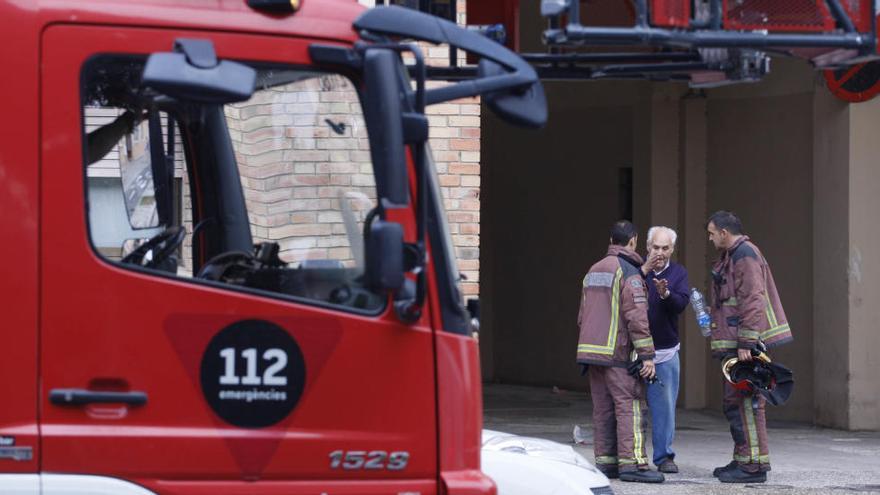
(663,313)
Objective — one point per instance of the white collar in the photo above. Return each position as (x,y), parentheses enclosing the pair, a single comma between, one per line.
(664,268)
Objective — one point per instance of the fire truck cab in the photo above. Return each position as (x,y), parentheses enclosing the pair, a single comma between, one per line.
(228,268)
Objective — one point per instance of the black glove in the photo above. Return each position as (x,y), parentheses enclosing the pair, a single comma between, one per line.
(634,367)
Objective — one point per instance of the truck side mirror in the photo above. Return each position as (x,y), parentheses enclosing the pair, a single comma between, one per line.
(382,111)
(525,107)
(508,83)
(384,253)
(193,73)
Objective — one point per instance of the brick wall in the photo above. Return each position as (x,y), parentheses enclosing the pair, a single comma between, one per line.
(300,177)
(455,140)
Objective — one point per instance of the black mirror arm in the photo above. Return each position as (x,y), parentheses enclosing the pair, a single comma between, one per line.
(401,22)
(408,310)
(411,310)
(421,180)
(422,221)
(476,87)
(421,71)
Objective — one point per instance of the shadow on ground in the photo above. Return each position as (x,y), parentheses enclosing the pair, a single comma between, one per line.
(805,459)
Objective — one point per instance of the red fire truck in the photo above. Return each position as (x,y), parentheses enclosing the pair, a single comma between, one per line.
(229,268)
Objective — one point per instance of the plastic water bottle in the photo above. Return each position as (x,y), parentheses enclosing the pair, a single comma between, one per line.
(702,315)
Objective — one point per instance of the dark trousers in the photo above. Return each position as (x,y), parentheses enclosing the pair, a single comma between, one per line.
(618,418)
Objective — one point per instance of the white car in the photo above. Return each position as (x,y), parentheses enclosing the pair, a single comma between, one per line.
(533,466)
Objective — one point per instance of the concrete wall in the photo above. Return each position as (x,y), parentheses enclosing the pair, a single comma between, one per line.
(864,269)
(831,202)
(846,267)
(692,247)
(548,201)
(760,165)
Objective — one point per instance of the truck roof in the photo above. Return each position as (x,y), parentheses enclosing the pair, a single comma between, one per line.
(327,19)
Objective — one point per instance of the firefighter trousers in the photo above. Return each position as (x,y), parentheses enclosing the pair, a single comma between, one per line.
(748,427)
(618,418)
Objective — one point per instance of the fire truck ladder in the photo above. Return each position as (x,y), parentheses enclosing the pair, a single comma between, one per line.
(704,42)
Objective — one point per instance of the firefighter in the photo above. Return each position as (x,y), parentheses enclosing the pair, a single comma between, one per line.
(613,321)
(745,310)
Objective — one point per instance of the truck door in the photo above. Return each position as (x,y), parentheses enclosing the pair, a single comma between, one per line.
(172,360)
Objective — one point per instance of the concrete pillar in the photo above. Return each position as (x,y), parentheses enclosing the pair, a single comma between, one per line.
(665,156)
(830,265)
(846,280)
(864,266)
(642,145)
(670,190)
(692,247)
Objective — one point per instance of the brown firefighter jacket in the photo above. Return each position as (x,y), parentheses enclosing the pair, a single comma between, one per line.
(745,304)
(613,317)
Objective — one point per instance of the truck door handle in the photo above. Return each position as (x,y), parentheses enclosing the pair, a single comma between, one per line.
(78,397)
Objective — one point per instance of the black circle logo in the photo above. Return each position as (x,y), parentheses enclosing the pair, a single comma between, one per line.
(253,374)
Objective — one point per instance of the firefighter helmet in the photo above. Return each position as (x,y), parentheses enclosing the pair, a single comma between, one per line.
(760,375)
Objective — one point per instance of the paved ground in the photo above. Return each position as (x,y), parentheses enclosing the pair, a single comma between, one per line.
(805,459)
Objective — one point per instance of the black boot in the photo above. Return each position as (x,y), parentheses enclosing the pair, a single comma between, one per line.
(731,465)
(609,470)
(739,476)
(642,476)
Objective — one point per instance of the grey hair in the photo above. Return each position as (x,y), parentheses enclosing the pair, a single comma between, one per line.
(653,230)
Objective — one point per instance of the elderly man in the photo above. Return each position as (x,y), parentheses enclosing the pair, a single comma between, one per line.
(613,321)
(667,297)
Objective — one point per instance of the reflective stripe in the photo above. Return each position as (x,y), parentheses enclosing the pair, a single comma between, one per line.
(627,460)
(596,349)
(748,334)
(615,309)
(762,459)
(773,332)
(749,413)
(608,349)
(599,279)
(775,328)
(638,440)
(644,342)
(731,301)
(771,316)
(723,344)
(606,459)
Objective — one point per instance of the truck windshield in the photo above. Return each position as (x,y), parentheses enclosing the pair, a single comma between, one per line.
(302,183)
